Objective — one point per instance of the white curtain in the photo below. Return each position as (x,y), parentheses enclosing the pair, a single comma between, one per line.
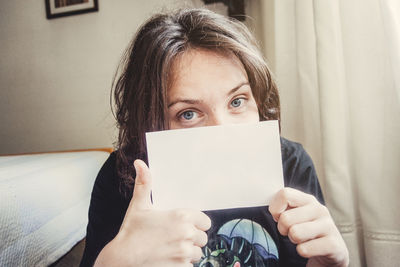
(337,64)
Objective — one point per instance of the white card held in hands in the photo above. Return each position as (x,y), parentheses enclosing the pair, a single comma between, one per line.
(215,167)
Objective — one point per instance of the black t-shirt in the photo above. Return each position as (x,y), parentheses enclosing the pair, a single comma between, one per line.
(248,236)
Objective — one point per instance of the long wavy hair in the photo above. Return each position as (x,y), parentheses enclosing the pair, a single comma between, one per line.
(141,81)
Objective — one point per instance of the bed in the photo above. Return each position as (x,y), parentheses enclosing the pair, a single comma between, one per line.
(44,200)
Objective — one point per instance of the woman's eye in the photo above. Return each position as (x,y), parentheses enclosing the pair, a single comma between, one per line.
(188,115)
(237,102)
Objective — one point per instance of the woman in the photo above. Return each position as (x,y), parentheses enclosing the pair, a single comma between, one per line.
(195,68)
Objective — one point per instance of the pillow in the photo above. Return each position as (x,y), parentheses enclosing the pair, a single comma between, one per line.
(44,201)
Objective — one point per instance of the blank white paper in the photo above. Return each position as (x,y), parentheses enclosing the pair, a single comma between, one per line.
(215,167)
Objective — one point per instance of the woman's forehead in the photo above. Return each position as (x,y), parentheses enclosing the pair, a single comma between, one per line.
(197,69)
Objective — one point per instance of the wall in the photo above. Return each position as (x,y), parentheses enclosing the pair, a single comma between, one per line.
(55,75)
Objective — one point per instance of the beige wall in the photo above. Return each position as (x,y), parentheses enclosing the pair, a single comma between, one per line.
(55,75)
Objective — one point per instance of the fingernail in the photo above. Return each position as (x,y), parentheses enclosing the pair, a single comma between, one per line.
(137,167)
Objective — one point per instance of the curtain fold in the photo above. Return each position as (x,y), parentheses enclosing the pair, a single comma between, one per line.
(337,64)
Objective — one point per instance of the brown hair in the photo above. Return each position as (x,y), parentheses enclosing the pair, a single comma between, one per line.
(140,84)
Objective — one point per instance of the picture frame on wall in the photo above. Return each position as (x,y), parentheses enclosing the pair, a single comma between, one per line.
(62,8)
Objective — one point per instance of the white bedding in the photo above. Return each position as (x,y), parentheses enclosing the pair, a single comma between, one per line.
(44,202)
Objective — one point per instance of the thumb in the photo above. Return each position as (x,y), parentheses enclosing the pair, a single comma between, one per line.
(142,190)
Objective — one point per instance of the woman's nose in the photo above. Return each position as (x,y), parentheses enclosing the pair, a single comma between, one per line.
(216,119)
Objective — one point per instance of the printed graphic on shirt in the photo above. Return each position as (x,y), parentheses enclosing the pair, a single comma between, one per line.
(238,243)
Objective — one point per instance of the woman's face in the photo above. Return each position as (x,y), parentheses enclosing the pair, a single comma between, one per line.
(209,89)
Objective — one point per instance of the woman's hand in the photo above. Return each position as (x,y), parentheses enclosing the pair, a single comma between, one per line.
(151,237)
(309,224)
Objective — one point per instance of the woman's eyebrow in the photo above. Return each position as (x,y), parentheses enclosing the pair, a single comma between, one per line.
(194,101)
(187,101)
(237,87)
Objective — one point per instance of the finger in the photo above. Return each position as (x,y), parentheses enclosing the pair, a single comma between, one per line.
(202,221)
(199,219)
(189,232)
(197,254)
(288,198)
(330,246)
(142,190)
(200,238)
(303,232)
(173,263)
(180,263)
(309,212)
(185,251)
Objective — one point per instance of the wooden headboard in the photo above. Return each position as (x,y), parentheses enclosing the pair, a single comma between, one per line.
(105,149)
